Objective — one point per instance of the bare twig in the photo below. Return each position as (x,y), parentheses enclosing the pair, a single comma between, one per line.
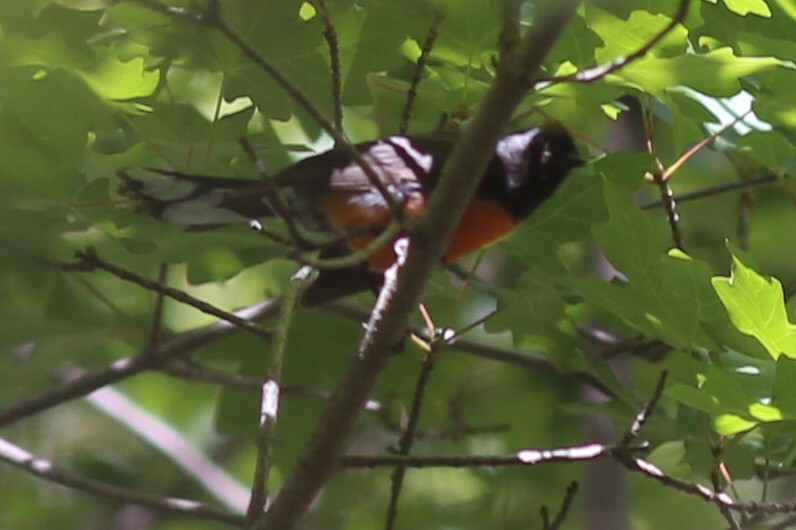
(270,396)
(408,437)
(193,372)
(725,512)
(744,212)
(274,200)
(525,457)
(566,504)
(716,190)
(157,314)
(666,193)
(693,150)
(417,73)
(354,258)
(129,366)
(644,414)
(190,371)
(330,34)
(88,260)
(45,469)
(519,358)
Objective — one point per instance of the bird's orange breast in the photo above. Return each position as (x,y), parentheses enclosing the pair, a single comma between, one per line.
(483,222)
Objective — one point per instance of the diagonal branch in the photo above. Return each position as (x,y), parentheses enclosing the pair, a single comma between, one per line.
(127,367)
(408,437)
(417,73)
(434,230)
(270,396)
(566,504)
(88,260)
(330,34)
(45,469)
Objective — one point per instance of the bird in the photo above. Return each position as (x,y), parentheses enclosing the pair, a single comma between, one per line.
(331,194)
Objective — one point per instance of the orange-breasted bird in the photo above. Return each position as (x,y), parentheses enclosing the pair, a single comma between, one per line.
(331,194)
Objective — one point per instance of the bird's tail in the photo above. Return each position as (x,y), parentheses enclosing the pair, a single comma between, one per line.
(198,201)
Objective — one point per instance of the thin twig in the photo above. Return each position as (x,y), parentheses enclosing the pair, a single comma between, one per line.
(89,260)
(693,150)
(595,73)
(127,367)
(471,274)
(330,34)
(744,213)
(716,190)
(566,504)
(471,280)
(157,313)
(272,195)
(270,396)
(407,439)
(417,73)
(525,457)
(645,413)
(532,361)
(725,512)
(191,371)
(354,258)
(666,193)
(45,469)
(88,286)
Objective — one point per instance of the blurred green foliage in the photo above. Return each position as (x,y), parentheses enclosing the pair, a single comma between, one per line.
(89,87)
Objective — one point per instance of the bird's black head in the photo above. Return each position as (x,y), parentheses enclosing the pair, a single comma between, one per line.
(528,167)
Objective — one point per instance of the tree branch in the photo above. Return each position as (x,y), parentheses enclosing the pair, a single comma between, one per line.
(417,73)
(330,34)
(566,504)
(532,361)
(716,190)
(45,469)
(126,367)
(88,261)
(270,396)
(408,437)
(434,230)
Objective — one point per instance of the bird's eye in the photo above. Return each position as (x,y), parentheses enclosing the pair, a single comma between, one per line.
(546,154)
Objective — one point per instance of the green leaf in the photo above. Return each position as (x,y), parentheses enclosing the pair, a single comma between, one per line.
(756,306)
(117,80)
(728,424)
(664,296)
(745,7)
(716,73)
(766,413)
(623,37)
(770,149)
